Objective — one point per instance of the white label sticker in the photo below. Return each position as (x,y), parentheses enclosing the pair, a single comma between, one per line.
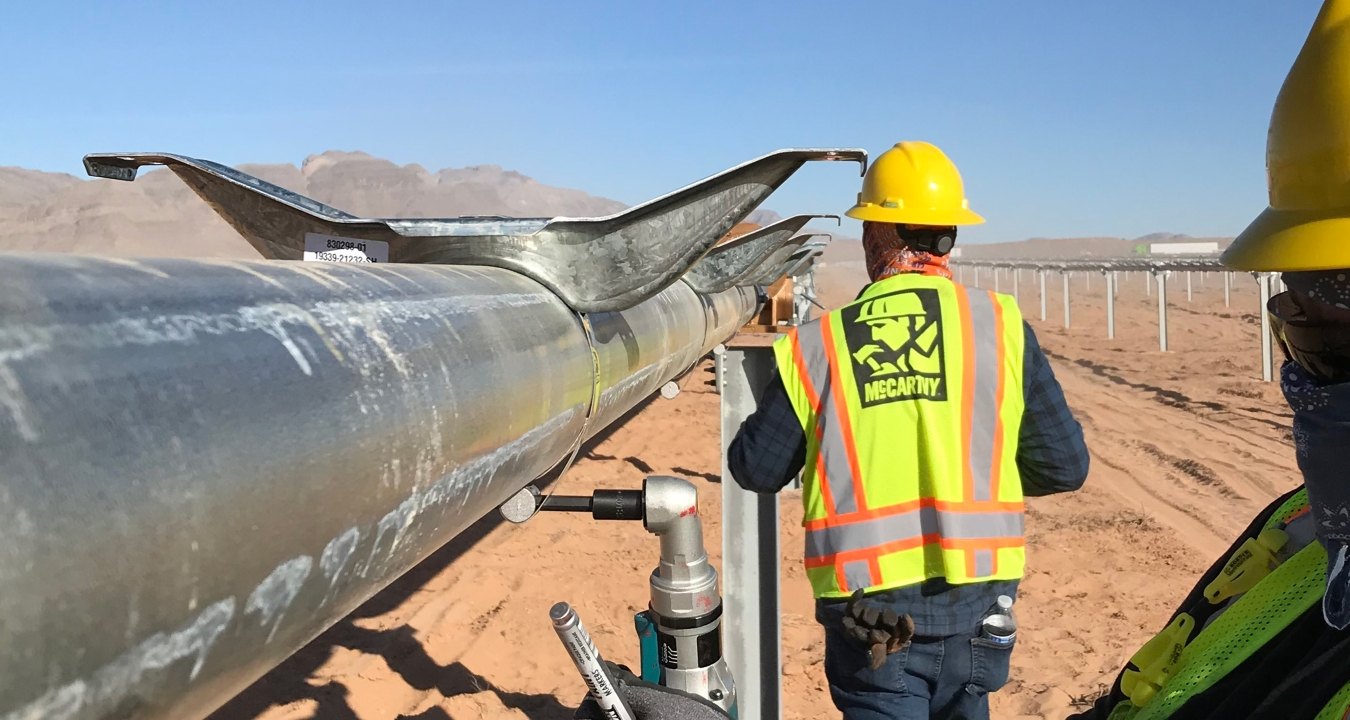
(331,248)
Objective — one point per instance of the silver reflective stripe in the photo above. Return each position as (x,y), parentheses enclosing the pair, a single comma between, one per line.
(864,534)
(984,395)
(984,563)
(858,574)
(833,450)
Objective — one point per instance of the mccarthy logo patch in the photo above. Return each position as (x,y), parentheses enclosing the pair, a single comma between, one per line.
(895,342)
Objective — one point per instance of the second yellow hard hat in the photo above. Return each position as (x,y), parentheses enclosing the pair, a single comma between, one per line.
(914,183)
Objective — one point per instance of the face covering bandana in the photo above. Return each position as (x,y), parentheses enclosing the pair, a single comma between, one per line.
(888,255)
(1321,436)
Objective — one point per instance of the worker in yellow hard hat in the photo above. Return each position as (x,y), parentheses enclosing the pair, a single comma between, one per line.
(1264,632)
(919,416)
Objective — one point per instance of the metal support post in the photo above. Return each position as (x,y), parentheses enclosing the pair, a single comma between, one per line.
(961,274)
(1017,285)
(1087,280)
(1042,273)
(1162,310)
(1263,282)
(1227,289)
(1110,304)
(750,572)
(1188,286)
(996,288)
(1148,284)
(977,276)
(1066,300)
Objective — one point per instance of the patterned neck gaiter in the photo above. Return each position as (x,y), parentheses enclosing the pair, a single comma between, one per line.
(1321,436)
(888,255)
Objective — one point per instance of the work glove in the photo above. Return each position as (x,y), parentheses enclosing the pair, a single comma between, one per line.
(879,629)
(649,701)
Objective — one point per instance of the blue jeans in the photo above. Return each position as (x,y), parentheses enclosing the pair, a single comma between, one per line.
(931,677)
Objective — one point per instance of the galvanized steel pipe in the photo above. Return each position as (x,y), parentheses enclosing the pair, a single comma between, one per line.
(207,463)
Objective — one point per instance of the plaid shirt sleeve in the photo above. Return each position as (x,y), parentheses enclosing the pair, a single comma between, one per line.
(770,449)
(1051,455)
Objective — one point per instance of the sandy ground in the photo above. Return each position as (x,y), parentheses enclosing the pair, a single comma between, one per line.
(1186,445)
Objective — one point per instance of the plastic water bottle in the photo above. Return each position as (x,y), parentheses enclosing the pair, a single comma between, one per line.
(999,625)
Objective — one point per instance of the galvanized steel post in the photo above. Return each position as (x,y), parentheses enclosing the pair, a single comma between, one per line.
(996,287)
(1043,301)
(750,557)
(1110,305)
(1066,299)
(1263,282)
(1162,310)
(1189,296)
(1227,288)
(1017,285)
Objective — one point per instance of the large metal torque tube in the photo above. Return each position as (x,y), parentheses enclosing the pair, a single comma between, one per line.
(685,603)
(204,464)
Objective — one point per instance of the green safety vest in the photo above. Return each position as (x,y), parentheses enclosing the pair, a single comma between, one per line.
(911,401)
(1273,587)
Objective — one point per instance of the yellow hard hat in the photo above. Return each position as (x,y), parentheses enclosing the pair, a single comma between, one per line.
(1307,226)
(914,183)
(892,306)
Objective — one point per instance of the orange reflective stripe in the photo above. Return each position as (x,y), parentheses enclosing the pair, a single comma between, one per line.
(832,452)
(967,388)
(996,461)
(813,397)
(841,410)
(987,364)
(902,508)
(842,558)
(922,521)
(839,559)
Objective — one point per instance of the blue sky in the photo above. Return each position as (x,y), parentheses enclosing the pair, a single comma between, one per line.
(1066,117)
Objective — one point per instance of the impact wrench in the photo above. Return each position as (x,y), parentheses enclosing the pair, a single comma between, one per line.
(686,609)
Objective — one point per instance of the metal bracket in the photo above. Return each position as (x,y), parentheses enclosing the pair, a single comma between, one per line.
(804,258)
(599,264)
(774,266)
(728,264)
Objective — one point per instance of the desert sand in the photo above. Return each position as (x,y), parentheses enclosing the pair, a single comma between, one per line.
(1186,447)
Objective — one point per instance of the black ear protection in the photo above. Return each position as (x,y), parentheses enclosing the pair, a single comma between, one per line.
(934,240)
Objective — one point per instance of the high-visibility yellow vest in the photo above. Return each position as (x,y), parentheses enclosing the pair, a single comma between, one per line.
(1158,684)
(911,401)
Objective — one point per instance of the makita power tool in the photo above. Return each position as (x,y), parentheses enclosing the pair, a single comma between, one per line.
(680,633)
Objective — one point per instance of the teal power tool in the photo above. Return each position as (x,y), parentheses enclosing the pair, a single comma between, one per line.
(680,633)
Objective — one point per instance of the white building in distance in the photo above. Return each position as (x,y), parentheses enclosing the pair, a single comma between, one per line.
(1183,248)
